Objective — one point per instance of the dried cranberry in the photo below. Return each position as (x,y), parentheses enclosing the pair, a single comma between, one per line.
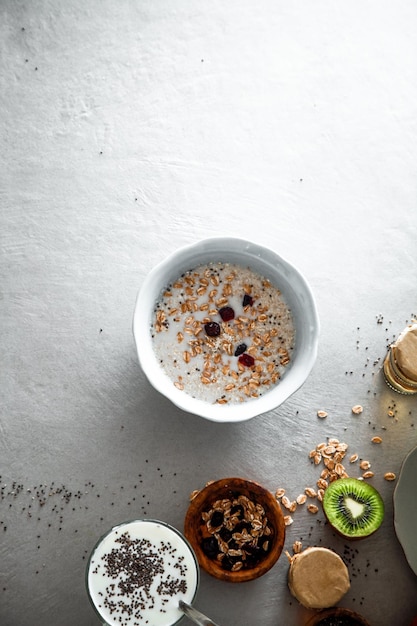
(247,300)
(212,329)
(247,360)
(226,313)
(240,349)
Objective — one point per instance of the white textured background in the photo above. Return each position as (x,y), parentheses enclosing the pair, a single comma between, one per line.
(130,128)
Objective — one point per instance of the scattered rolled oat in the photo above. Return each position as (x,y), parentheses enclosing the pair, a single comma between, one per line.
(330,454)
(368,474)
(321,414)
(288,520)
(297,546)
(357,409)
(320,495)
(322,483)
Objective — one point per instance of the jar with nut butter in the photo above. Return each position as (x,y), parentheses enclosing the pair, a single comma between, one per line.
(400,364)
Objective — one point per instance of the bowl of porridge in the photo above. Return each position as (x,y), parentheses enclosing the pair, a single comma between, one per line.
(226,329)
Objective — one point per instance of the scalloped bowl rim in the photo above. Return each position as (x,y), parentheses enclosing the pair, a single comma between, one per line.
(295,290)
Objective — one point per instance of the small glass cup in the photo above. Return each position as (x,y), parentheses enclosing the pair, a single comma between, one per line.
(139,571)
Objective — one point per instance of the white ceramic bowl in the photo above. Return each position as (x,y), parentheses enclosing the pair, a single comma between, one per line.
(263,261)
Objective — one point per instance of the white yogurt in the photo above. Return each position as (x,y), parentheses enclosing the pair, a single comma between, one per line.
(138,573)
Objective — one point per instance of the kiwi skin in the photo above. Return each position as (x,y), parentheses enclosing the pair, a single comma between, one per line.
(334,501)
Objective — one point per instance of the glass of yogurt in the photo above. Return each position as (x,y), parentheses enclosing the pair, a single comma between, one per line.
(139,571)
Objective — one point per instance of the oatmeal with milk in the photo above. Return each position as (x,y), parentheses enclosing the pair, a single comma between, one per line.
(223,333)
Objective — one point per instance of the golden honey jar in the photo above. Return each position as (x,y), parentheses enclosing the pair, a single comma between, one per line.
(400,364)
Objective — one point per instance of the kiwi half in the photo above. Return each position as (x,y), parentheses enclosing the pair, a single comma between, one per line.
(353,507)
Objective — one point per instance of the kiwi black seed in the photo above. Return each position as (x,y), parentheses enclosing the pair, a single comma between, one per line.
(353,507)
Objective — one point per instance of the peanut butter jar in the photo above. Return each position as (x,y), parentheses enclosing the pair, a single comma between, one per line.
(400,364)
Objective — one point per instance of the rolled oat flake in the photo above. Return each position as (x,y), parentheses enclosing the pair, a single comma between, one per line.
(400,364)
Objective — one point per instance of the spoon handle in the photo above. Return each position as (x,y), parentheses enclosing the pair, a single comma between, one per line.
(195,616)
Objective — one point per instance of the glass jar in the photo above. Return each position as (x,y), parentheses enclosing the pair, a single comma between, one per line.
(139,571)
(400,364)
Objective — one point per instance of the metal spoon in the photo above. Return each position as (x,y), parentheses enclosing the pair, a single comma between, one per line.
(195,616)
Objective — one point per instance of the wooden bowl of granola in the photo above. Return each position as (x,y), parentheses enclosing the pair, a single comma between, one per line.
(236,528)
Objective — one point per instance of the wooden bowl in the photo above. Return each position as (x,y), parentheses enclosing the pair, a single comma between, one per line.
(342,614)
(235,548)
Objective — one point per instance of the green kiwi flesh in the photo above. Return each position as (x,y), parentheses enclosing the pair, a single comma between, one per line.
(353,507)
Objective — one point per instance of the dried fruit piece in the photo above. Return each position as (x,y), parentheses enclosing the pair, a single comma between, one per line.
(241,348)
(247,360)
(210,546)
(226,313)
(212,329)
(247,300)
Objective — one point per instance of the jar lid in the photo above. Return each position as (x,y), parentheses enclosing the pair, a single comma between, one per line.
(406,352)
